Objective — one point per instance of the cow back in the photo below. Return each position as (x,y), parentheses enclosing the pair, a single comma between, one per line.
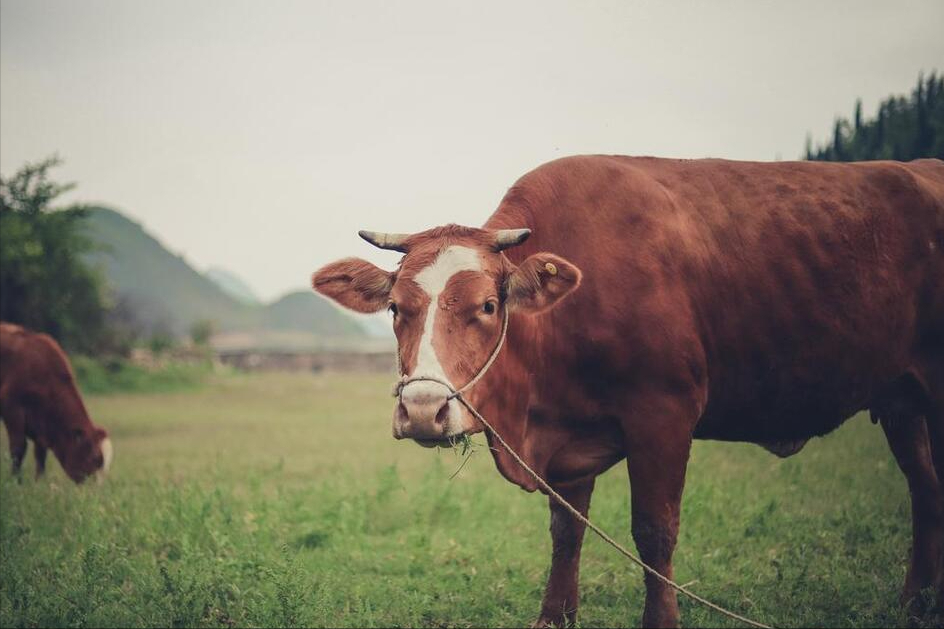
(787,293)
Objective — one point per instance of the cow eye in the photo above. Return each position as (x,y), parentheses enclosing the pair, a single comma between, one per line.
(489,307)
(392,309)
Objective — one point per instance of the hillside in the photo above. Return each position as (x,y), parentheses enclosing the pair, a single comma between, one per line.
(232,285)
(166,294)
(297,310)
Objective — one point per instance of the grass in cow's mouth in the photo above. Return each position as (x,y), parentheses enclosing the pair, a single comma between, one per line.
(463,446)
(463,442)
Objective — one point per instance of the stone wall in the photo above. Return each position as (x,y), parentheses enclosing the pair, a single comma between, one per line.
(267,360)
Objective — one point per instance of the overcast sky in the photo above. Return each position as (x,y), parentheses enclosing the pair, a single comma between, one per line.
(260,136)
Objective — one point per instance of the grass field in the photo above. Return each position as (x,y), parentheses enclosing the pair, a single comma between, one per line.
(280,500)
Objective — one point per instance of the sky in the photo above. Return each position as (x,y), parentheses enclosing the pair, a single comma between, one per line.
(260,136)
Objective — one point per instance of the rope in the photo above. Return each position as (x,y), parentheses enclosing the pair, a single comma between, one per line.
(491,359)
(403,381)
(609,540)
(457,394)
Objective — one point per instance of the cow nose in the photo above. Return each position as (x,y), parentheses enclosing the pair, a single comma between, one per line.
(423,411)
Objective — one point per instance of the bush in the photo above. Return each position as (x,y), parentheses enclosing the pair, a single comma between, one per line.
(160,342)
(201,331)
(114,375)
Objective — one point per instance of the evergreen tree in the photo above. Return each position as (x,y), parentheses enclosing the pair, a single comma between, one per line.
(904,128)
(838,150)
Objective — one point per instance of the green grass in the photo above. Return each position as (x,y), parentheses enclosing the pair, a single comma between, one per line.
(283,500)
(101,376)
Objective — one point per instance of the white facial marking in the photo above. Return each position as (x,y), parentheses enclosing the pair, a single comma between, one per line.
(107,454)
(433,279)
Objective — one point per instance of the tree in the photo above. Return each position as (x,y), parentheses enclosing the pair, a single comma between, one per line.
(838,149)
(201,331)
(905,128)
(44,282)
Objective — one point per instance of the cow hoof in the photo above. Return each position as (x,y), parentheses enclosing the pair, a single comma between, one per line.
(922,610)
(920,590)
(545,622)
(670,620)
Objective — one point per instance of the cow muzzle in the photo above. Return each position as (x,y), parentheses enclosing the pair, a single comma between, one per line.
(427,414)
(108,454)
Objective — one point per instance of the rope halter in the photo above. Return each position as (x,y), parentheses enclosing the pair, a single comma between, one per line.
(453,392)
(457,394)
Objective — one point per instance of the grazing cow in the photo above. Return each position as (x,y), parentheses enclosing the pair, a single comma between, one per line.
(39,400)
(712,299)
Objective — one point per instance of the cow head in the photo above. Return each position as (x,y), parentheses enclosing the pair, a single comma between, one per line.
(86,451)
(447,299)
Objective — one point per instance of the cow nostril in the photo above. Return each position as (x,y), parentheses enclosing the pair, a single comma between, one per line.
(402,413)
(443,413)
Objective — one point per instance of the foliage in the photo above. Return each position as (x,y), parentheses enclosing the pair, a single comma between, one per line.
(125,329)
(201,331)
(44,282)
(905,128)
(273,500)
(160,341)
(112,375)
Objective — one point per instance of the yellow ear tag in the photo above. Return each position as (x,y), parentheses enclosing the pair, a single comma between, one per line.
(551,268)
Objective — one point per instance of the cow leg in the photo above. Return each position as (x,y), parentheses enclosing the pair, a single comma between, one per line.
(39,454)
(934,416)
(908,439)
(561,596)
(657,453)
(16,431)
(935,422)
(934,382)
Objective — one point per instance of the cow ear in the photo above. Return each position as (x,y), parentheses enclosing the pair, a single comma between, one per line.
(540,282)
(354,283)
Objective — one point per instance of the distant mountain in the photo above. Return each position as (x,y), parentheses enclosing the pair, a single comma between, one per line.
(232,285)
(296,311)
(378,325)
(165,294)
(164,291)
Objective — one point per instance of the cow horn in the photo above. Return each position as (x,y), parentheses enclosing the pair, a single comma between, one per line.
(394,242)
(505,238)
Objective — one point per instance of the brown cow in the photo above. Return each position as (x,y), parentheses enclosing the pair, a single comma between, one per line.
(39,401)
(711,299)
